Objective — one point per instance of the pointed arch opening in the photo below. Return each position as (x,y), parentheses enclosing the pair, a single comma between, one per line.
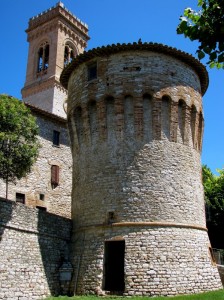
(69,53)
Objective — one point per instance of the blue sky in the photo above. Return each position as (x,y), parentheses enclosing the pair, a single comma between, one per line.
(113,21)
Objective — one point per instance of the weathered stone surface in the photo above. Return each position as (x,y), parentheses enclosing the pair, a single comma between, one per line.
(56,200)
(32,247)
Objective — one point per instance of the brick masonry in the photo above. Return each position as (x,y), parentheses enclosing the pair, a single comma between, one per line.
(136,132)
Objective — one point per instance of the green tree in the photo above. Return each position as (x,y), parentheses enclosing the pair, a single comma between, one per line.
(207,27)
(214,198)
(18,140)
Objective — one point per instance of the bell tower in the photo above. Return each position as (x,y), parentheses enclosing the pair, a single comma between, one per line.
(55,37)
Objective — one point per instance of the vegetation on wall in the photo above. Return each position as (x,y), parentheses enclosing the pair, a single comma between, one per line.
(214,198)
(18,140)
(207,27)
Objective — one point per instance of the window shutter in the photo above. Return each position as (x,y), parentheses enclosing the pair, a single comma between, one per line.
(55,175)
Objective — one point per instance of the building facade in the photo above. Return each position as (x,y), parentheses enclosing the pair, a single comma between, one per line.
(136,123)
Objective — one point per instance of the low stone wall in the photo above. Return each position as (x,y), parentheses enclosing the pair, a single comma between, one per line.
(221,273)
(32,246)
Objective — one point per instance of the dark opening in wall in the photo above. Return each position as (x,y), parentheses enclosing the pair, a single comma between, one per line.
(41,197)
(92,71)
(56,138)
(20,198)
(114,266)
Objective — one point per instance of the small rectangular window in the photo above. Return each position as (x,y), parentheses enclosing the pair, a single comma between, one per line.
(92,71)
(41,197)
(54,176)
(20,198)
(56,138)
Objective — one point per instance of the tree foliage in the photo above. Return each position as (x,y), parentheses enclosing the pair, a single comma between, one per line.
(214,198)
(207,27)
(18,139)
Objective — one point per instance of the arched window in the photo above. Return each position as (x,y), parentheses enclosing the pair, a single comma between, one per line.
(69,54)
(43,58)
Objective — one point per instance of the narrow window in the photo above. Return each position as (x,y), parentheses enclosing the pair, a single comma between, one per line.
(56,138)
(92,71)
(40,60)
(43,58)
(66,54)
(54,176)
(69,54)
(46,57)
(20,198)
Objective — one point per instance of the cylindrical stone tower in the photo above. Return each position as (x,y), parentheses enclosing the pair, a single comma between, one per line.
(136,123)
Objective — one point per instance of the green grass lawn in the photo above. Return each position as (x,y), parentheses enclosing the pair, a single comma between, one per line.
(217,295)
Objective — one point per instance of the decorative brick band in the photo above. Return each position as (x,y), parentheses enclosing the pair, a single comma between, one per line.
(143,224)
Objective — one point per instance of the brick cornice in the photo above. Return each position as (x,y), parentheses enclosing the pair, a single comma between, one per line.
(38,87)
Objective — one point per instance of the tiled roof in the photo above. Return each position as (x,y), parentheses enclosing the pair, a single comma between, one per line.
(40,111)
(153,47)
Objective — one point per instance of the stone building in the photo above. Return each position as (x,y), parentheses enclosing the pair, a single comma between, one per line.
(136,123)
(55,37)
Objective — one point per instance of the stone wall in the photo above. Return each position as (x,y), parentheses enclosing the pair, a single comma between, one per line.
(57,199)
(32,247)
(136,131)
(159,260)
